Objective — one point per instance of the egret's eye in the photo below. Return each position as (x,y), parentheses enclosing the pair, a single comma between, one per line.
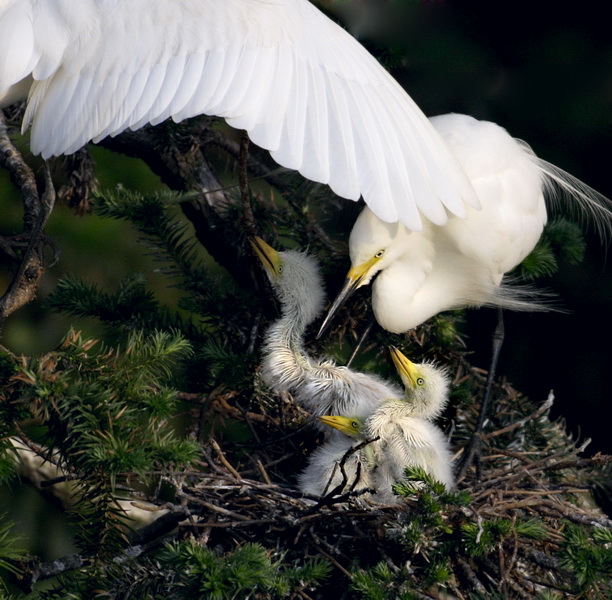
(420,381)
(280,270)
(355,425)
(379,253)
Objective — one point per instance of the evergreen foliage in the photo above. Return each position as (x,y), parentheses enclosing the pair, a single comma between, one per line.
(9,552)
(588,556)
(168,423)
(186,570)
(210,312)
(106,417)
(561,242)
(106,414)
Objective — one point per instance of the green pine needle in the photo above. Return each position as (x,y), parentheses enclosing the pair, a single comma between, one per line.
(8,547)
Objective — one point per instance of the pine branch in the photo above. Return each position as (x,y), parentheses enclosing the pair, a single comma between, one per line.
(29,245)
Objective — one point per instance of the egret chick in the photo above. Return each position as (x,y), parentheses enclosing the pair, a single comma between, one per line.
(425,386)
(319,385)
(417,274)
(407,435)
(333,465)
(297,284)
(402,430)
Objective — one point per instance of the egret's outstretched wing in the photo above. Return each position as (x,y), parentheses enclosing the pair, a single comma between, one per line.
(301,86)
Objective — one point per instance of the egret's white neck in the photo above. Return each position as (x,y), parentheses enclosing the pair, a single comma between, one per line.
(431,277)
(395,289)
(288,331)
(285,359)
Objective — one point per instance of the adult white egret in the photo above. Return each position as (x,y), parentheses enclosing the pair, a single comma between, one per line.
(319,385)
(403,432)
(421,273)
(300,85)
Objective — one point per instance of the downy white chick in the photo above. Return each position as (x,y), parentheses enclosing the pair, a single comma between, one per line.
(329,466)
(319,385)
(405,431)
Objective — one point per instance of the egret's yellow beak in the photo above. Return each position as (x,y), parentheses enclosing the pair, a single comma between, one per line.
(270,258)
(407,370)
(355,278)
(346,425)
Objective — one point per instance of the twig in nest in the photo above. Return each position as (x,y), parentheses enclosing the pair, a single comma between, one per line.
(218,509)
(318,541)
(534,415)
(263,472)
(224,460)
(272,441)
(471,576)
(473,448)
(341,465)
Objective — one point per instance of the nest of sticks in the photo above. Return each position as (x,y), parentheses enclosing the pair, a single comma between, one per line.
(529,468)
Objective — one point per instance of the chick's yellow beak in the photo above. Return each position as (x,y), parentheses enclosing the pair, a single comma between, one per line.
(346,425)
(407,370)
(270,258)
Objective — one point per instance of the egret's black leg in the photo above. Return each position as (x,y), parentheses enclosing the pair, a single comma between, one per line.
(364,335)
(473,447)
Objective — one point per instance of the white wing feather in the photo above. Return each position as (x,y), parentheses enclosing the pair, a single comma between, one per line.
(301,86)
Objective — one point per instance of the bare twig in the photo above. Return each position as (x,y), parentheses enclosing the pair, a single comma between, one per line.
(224,460)
(24,283)
(546,405)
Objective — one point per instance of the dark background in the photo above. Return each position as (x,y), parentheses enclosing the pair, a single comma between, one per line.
(543,71)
